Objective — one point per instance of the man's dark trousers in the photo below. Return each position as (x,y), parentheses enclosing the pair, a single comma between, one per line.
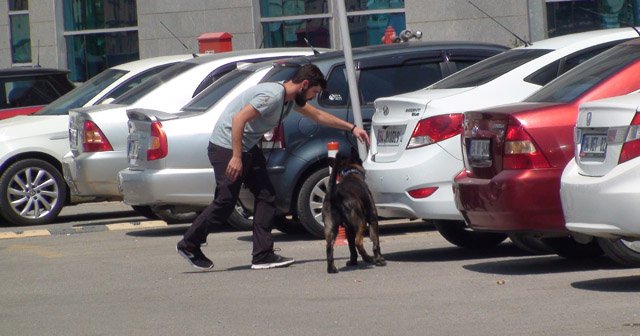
(255,177)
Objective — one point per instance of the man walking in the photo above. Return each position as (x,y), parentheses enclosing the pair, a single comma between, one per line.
(236,159)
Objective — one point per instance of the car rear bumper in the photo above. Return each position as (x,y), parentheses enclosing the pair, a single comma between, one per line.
(429,166)
(604,206)
(513,200)
(194,187)
(94,174)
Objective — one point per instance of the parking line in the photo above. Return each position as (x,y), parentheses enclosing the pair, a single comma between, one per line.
(24,234)
(136,225)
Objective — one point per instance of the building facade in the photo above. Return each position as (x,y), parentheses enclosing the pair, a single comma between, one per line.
(88,36)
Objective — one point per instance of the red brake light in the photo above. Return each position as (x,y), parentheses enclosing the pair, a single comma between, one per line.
(274,138)
(93,139)
(423,192)
(434,129)
(631,147)
(158,146)
(520,151)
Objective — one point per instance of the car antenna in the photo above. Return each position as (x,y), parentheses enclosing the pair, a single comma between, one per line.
(526,44)
(38,56)
(174,36)
(315,52)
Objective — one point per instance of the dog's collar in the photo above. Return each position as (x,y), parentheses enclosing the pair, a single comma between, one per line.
(349,171)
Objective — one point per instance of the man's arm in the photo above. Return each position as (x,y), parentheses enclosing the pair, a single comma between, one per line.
(328,119)
(246,114)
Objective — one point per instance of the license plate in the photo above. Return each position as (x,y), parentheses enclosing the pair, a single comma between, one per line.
(132,150)
(390,135)
(73,138)
(593,145)
(479,149)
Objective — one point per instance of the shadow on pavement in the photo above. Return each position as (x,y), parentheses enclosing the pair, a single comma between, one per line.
(174,230)
(445,254)
(543,265)
(618,284)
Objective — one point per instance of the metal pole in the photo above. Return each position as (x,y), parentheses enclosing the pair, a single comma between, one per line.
(351,72)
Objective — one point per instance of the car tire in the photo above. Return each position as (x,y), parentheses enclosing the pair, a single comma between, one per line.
(530,243)
(288,226)
(457,233)
(623,252)
(569,248)
(309,202)
(171,216)
(145,211)
(38,192)
(241,219)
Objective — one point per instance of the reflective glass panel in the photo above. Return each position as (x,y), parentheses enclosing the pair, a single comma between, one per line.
(291,33)
(274,8)
(369,29)
(20,38)
(99,14)
(359,5)
(90,54)
(16,5)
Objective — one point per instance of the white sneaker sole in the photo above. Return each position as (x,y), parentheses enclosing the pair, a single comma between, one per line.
(272,265)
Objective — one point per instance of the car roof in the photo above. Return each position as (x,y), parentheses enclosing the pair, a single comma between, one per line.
(266,52)
(30,71)
(146,63)
(589,38)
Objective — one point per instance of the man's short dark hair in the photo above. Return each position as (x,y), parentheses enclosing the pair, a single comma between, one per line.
(311,73)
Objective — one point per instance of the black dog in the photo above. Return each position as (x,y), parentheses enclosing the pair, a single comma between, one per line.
(349,203)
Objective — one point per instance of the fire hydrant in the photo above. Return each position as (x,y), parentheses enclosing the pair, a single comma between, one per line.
(389,35)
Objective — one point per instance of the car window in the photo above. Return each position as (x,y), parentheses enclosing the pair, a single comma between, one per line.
(154,82)
(134,82)
(29,92)
(489,69)
(83,93)
(337,91)
(393,80)
(211,95)
(574,83)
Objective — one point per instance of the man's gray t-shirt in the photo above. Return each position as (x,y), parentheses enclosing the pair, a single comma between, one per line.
(268,99)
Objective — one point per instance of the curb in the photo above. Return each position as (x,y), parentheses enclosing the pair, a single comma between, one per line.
(84,229)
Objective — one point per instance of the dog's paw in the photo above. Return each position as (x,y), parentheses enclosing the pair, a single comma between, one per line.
(352,263)
(367,259)
(332,270)
(381,262)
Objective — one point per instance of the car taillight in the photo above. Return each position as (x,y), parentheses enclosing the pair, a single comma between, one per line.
(631,146)
(434,129)
(158,146)
(93,139)
(274,138)
(520,151)
(422,192)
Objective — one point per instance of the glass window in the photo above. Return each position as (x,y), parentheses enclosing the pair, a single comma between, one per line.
(99,14)
(390,81)
(154,82)
(359,5)
(20,38)
(275,8)
(211,95)
(589,74)
(30,92)
(489,69)
(90,54)
(83,93)
(369,29)
(291,33)
(134,82)
(337,91)
(18,5)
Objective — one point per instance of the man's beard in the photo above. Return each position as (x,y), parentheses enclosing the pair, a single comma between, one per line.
(301,98)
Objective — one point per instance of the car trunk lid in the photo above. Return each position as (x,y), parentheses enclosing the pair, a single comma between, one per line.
(146,138)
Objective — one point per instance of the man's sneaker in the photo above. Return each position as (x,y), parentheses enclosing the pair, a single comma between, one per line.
(195,256)
(272,261)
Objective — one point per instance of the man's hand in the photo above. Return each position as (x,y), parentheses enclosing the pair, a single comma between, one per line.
(361,135)
(234,169)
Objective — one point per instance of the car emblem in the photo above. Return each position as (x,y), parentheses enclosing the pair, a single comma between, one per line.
(589,119)
(385,110)
(474,130)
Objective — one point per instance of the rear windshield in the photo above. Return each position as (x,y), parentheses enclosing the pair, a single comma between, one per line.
(489,69)
(83,93)
(153,83)
(587,75)
(211,95)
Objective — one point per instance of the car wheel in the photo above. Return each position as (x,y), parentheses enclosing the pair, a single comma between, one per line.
(569,248)
(145,211)
(309,204)
(170,215)
(622,251)
(241,218)
(530,243)
(288,226)
(33,192)
(457,233)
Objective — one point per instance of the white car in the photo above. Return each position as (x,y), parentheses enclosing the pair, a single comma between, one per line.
(32,189)
(599,187)
(98,135)
(415,138)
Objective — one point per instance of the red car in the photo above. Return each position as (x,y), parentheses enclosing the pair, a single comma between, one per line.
(514,155)
(26,90)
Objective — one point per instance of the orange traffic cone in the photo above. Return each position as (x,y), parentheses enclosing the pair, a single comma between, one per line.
(341,238)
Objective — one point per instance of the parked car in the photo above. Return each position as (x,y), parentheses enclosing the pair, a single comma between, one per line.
(26,90)
(514,154)
(98,135)
(296,152)
(34,145)
(599,186)
(415,145)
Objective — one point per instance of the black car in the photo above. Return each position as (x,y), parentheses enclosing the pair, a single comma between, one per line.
(297,152)
(25,90)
